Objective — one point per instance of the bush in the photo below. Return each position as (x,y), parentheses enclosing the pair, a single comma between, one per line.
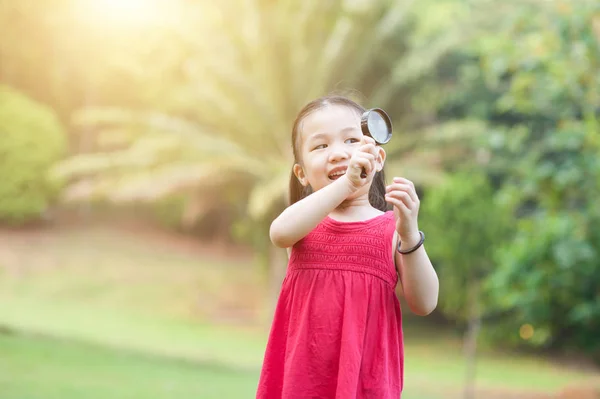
(31,141)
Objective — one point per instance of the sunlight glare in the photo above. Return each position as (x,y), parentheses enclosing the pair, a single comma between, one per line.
(125,11)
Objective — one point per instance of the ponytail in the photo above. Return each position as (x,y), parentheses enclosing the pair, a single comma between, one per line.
(377,192)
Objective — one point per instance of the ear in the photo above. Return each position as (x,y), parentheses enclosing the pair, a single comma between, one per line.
(380,161)
(299,172)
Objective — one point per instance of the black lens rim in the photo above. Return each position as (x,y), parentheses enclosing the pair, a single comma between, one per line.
(364,124)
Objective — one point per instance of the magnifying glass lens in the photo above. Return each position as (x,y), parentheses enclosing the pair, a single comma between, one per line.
(378,127)
(376,124)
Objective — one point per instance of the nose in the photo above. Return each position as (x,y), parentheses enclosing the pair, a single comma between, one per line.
(338,153)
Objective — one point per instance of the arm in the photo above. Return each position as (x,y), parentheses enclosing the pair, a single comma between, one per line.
(300,218)
(420,285)
(295,222)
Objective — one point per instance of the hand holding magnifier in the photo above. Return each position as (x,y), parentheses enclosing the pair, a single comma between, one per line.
(376,124)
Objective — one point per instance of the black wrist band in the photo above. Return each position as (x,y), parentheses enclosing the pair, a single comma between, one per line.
(413,249)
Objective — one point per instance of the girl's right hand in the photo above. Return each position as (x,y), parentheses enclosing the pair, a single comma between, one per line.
(363,158)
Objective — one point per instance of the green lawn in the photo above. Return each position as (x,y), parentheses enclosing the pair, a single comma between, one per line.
(102,314)
(36,368)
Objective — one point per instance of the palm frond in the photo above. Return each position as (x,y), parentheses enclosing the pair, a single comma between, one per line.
(145,185)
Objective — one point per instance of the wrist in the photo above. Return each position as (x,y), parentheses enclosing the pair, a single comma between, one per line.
(409,240)
(348,184)
(406,248)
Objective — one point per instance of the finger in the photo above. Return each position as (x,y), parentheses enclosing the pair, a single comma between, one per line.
(368,140)
(406,188)
(372,162)
(402,196)
(398,204)
(403,180)
(367,155)
(363,159)
(375,151)
(398,186)
(369,148)
(363,163)
(371,159)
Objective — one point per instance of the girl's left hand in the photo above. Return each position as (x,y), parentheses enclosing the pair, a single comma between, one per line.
(403,196)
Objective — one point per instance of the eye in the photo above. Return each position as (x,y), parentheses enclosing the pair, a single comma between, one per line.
(320,147)
(352,140)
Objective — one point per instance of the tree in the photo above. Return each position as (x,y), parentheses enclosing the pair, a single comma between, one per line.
(534,79)
(466,225)
(32,141)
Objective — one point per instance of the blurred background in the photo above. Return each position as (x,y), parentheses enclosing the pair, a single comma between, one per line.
(144,151)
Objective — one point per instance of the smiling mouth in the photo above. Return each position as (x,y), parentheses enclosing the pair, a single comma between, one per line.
(336,175)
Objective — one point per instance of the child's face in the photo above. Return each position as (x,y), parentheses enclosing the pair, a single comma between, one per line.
(328,138)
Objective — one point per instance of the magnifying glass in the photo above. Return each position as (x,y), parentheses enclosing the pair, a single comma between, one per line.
(376,124)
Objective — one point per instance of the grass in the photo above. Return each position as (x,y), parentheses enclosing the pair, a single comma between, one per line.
(38,368)
(237,347)
(111,315)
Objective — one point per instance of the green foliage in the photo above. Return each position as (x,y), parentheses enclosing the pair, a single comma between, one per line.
(548,278)
(32,140)
(535,81)
(466,226)
(550,271)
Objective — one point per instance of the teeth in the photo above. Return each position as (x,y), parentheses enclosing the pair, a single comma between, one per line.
(340,173)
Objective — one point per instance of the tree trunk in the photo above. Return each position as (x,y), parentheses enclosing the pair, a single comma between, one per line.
(470,340)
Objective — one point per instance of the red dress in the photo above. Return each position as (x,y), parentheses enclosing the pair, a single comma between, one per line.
(337,329)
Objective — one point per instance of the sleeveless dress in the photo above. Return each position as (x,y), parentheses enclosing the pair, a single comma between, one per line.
(337,328)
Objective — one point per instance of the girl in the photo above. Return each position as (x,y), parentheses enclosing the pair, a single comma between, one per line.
(337,330)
